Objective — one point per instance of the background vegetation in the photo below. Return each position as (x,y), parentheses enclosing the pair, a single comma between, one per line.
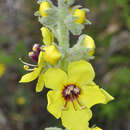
(21,108)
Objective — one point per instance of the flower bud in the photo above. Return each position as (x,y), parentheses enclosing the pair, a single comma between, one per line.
(80,14)
(43,7)
(51,54)
(48,37)
(89,43)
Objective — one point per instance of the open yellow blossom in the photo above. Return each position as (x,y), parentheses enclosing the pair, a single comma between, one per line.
(89,43)
(36,72)
(2,69)
(48,37)
(43,7)
(51,54)
(73,93)
(80,14)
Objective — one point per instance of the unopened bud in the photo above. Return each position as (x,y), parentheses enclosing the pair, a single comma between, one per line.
(80,14)
(51,54)
(43,7)
(89,43)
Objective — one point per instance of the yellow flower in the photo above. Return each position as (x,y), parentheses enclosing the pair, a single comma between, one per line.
(80,14)
(89,43)
(2,69)
(48,37)
(21,101)
(36,72)
(43,7)
(51,54)
(73,94)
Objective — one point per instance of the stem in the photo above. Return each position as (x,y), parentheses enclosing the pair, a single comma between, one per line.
(63,36)
(60,3)
(62,31)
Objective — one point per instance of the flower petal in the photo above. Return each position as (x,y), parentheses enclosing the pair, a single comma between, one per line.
(76,120)
(55,103)
(30,76)
(48,37)
(91,95)
(55,78)
(108,97)
(81,72)
(51,54)
(40,59)
(40,83)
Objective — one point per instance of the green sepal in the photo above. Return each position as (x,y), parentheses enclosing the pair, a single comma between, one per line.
(76,29)
(40,1)
(51,19)
(78,53)
(87,22)
(75,7)
(70,2)
(80,40)
(86,10)
(37,13)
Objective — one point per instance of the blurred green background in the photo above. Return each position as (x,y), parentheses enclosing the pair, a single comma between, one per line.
(23,109)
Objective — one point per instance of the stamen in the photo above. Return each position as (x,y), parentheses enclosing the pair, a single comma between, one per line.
(27,63)
(71,98)
(26,67)
(67,92)
(36,48)
(64,107)
(71,88)
(76,90)
(31,54)
(81,106)
(71,93)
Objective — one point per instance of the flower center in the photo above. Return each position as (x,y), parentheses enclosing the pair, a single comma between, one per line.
(70,93)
